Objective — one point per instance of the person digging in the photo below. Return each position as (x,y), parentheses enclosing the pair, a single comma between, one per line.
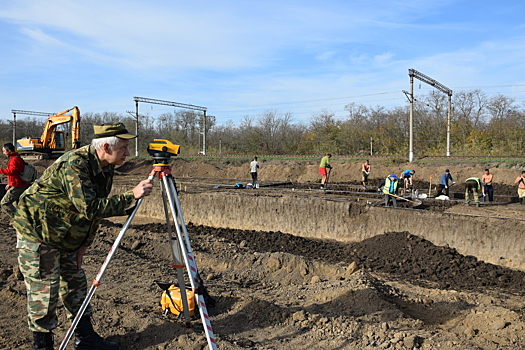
(472,185)
(520,181)
(390,188)
(365,171)
(325,164)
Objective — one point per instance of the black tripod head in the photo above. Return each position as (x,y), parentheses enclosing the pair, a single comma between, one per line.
(163,150)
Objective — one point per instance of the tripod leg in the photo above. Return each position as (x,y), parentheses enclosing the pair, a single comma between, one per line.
(177,264)
(189,259)
(96,281)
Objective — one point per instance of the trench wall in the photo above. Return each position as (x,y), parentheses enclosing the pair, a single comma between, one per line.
(497,241)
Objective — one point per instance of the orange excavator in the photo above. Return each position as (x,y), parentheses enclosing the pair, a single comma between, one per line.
(52,143)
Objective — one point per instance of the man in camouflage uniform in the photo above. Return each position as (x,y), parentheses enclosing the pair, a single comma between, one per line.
(56,221)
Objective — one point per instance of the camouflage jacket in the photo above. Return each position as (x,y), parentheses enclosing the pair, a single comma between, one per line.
(63,208)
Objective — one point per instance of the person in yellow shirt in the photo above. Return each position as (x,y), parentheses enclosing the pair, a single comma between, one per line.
(325,164)
(390,189)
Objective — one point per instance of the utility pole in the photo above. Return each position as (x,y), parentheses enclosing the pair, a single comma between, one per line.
(371,146)
(14,128)
(137,128)
(204,134)
(136,116)
(412,73)
(411,122)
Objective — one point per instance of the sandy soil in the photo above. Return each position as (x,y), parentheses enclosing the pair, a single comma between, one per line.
(276,291)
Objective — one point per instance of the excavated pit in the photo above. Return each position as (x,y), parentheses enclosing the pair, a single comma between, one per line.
(359,281)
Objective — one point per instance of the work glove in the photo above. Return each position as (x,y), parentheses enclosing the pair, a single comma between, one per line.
(367,173)
(446,186)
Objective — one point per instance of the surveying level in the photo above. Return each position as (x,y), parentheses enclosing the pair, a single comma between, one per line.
(163,149)
(181,251)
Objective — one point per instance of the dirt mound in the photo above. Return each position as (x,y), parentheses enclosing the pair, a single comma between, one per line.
(276,291)
(398,253)
(137,166)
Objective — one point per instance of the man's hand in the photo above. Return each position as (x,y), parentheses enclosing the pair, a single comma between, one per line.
(7,187)
(80,256)
(143,189)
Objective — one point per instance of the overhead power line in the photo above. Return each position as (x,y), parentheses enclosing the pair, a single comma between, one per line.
(306,101)
(487,87)
(42,114)
(169,103)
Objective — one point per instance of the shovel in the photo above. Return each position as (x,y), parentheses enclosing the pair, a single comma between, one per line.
(415,202)
(327,178)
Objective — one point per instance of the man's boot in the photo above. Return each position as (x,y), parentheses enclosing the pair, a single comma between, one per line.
(42,341)
(87,339)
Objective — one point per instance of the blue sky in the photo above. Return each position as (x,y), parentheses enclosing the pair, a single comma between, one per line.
(241,58)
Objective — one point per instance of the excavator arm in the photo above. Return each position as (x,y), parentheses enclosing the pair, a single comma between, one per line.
(52,140)
(75,128)
(47,139)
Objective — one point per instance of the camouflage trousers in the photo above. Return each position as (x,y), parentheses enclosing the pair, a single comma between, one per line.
(50,275)
(10,197)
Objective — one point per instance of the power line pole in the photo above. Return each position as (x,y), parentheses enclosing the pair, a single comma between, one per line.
(204,134)
(412,73)
(137,128)
(136,116)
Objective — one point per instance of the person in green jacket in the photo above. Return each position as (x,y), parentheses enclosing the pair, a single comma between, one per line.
(56,221)
(472,185)
(325,164)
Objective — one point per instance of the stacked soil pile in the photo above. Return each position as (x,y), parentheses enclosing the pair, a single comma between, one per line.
(276,291)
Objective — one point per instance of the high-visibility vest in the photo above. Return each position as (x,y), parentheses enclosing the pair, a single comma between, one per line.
(477,180)
(390,186)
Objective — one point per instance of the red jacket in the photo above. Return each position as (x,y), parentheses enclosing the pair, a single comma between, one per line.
(15,166)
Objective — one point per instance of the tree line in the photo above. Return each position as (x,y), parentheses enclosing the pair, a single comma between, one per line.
(480,126)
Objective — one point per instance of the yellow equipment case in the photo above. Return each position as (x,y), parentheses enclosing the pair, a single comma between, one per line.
(171,299)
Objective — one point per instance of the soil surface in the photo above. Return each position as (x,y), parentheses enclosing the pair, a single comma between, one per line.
(277,291)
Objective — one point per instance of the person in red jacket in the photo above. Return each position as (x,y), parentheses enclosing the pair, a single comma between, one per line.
(15,186)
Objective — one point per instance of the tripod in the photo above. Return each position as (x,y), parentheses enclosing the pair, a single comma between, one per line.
(181,251)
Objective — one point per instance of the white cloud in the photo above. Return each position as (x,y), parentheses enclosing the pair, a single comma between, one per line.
(246,53)
(229,35)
